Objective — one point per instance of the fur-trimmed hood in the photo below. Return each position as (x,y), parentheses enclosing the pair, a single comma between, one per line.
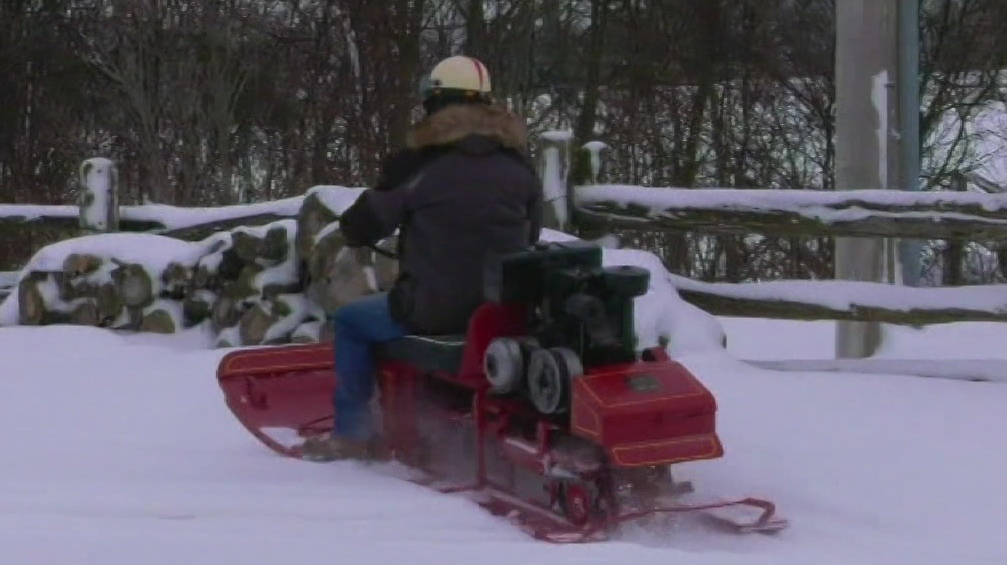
(454,123)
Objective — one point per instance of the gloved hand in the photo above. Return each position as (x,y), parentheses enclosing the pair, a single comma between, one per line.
(363,256)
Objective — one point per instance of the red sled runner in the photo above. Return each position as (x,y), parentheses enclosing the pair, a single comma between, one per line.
(543,412)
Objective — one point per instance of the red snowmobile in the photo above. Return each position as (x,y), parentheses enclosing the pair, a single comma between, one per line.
(543,412)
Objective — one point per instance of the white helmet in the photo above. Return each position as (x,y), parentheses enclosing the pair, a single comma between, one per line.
(457,76)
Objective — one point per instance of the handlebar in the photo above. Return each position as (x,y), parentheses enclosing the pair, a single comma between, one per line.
(385,252)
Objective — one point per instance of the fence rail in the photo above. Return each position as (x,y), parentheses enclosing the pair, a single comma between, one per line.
(808,213)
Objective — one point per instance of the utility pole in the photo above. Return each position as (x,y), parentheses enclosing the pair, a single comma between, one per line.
(910,114)
(867,122)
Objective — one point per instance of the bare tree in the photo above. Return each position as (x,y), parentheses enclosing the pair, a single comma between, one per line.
(246,100)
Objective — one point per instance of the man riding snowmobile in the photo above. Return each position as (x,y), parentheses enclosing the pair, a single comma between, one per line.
(462,190)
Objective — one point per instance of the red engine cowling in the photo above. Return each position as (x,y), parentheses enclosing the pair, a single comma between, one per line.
(646,413)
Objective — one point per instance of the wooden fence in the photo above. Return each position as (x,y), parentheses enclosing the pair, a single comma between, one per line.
(953,215)
(577,200)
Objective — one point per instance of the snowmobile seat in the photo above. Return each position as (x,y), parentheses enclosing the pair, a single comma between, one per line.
(442,353)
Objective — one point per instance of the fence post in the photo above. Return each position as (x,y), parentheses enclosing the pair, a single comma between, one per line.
(555,173)
(99,196)
(584,171)
(594,149)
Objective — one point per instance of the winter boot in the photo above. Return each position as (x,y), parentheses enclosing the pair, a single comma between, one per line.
(326,448)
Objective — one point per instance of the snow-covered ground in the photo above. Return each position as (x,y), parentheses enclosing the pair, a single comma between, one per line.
(120,451)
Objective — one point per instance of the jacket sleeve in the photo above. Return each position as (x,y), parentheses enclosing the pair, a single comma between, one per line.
(536,202)
(535,212)
(379,211)
(397,168)
(374,216)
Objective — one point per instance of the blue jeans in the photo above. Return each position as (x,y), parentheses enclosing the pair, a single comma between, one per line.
(358,326)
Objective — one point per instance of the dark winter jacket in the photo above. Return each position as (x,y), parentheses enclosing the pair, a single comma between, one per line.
(461,192)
